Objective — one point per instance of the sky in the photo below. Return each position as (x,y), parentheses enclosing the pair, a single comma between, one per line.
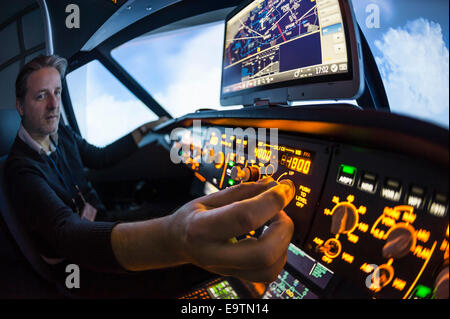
(411,46)
(182,69)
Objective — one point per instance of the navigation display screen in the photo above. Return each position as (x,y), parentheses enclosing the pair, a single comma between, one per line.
(274,41)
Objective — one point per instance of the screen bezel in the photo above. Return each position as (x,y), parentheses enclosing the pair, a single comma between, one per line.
(348,85)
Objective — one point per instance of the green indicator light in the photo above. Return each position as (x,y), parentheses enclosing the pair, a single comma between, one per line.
(230,182)
(422,291)
(231,164)
(348,169)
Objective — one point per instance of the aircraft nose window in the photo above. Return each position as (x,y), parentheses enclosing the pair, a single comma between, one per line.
(178,86)
(96,95)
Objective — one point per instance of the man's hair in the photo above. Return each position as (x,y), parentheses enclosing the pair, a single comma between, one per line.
(40,62)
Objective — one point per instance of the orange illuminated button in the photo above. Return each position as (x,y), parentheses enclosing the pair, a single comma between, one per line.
(332,248)
(382,276)
(246,174)
(238,174)
(291,185)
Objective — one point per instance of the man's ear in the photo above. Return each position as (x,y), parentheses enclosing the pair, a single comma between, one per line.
(19,107)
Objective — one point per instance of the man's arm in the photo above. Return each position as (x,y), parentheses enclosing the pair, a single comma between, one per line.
(199,233)
(102,157)
(59,230)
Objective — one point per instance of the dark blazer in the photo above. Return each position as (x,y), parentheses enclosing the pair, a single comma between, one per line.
(44,202)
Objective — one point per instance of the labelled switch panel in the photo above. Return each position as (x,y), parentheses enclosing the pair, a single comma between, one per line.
(381,227)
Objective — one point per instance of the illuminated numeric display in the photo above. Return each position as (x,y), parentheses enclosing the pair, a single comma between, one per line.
(298,164)
(263,154)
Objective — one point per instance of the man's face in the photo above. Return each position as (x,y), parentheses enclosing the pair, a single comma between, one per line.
(40,109)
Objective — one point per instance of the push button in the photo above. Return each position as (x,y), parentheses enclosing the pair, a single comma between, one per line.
(438,205)
(346,175)
(416,197)
(421,292)
(368,182)
(392,190)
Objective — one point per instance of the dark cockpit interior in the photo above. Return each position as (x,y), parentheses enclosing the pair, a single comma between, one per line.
(300,97)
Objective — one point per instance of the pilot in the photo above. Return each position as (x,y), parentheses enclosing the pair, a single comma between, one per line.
(69,224)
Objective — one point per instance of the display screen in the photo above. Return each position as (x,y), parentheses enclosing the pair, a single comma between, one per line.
(275,41)
(308,266)
(295,159)
(222,290)
(288,287)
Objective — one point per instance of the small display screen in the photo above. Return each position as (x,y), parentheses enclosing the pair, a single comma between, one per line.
(308,266)
(288,287)
(222,290)
(294,159)
(217,289)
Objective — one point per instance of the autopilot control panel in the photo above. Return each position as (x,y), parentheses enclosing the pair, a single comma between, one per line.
(368,223)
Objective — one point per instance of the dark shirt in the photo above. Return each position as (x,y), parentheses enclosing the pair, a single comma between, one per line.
(44,202)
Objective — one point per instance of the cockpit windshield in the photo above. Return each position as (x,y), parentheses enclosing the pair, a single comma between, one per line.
(393,30)
(409,40)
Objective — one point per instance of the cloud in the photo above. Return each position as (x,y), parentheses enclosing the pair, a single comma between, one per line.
(195,72)
(414,65)
(108,119)
(104,108)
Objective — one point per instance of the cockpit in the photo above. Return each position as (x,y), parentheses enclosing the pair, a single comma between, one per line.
(312,93)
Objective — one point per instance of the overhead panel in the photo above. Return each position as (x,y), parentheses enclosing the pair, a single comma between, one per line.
(128,13)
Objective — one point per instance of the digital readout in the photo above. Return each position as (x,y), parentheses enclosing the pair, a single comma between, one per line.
(298,164)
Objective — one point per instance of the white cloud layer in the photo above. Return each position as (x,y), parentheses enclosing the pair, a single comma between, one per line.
(108,118)
(415,68)
(104,108)
(195,72)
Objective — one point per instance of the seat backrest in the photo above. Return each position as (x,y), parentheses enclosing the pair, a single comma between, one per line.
(9,124)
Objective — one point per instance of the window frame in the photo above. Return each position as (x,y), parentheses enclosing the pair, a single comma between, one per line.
(106,60)
(102,53)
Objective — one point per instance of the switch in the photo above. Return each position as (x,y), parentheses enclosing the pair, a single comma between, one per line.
(416,197)
(246,174)
(346,175)
(438,205)
(368,182)
(421,292)
(392,190)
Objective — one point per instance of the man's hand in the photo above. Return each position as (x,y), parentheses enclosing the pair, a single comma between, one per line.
(201,229)
(147,127)
(141,131)
(200,232)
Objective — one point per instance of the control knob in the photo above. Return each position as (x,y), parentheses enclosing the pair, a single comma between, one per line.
(441,283)
(246,174)
(399,241)
(344,218)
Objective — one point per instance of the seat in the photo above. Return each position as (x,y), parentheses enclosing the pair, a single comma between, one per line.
(9,124)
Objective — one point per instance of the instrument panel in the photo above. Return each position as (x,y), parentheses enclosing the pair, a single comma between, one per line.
(368,223)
